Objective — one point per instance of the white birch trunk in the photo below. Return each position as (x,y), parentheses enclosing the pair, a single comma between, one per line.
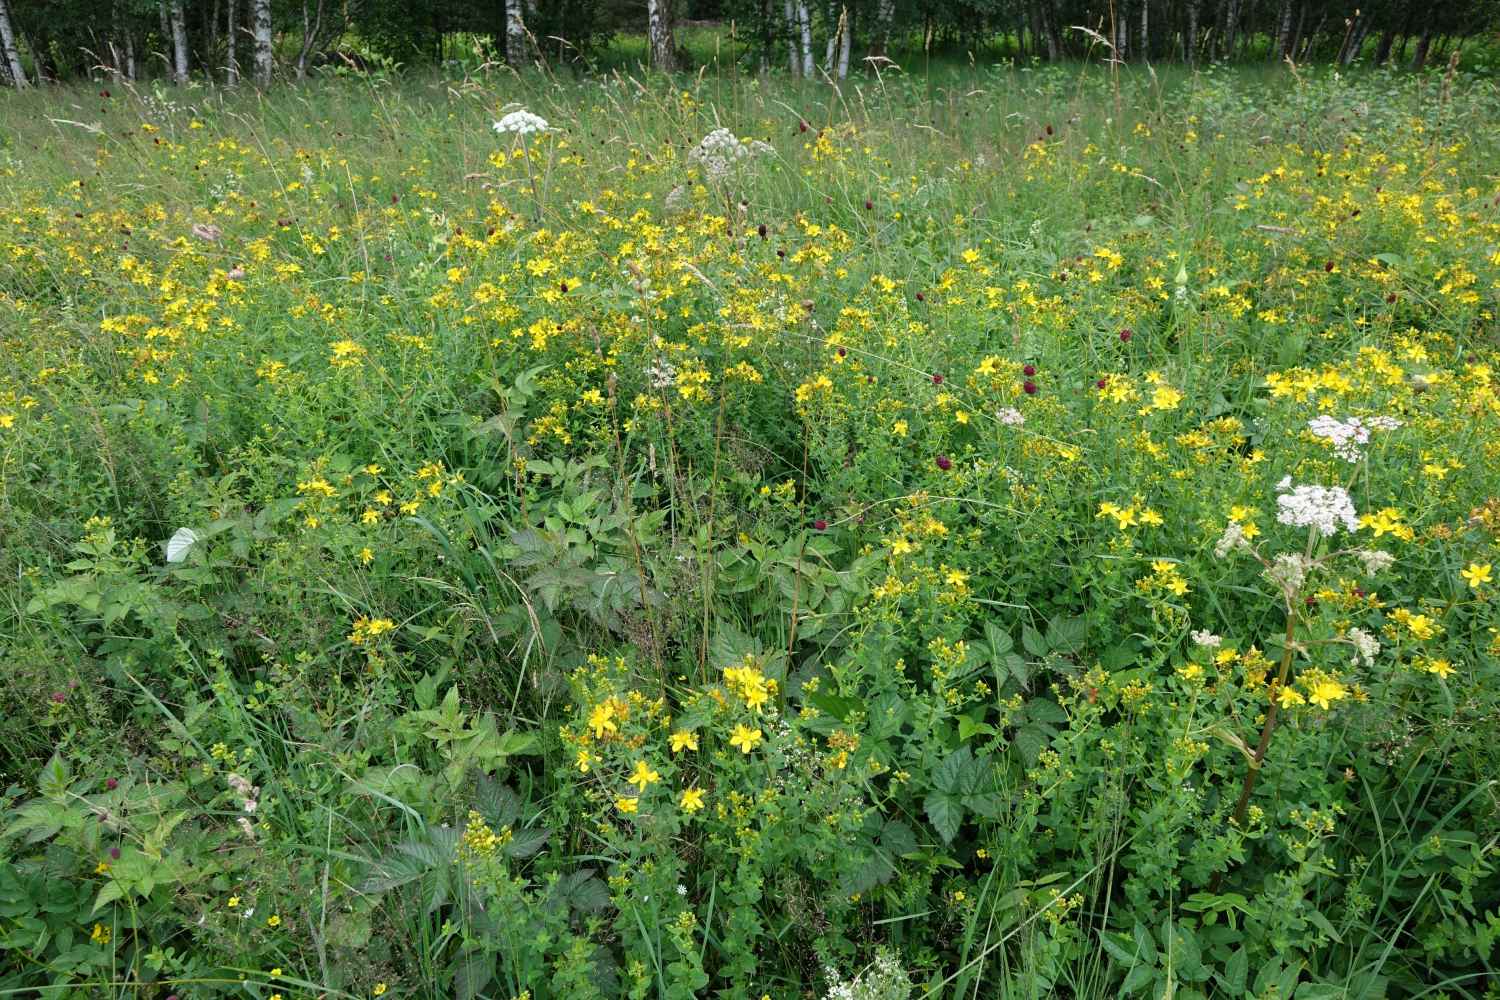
(790,21)
(804,20)
(1145,29)
(231,61)
(8,46)
(178,22)
(262,29)
(515,34)
(846,32)
(885,13)
(311,29)
(663,45)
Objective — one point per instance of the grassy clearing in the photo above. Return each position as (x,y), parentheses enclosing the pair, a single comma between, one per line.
(856,559)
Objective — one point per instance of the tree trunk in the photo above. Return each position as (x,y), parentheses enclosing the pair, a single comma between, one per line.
(1231,27)
(1190,41)
(1424,43)
(311,29)
(1282,48)
(231,59)
(12,55)
(880,38)
(1146,29)
(262,29)
(177,21)
(1383,50)
(515,33)
(663,44)
(804,22)
(846,42)
(1356,40)
(1122,31)
(1054,34)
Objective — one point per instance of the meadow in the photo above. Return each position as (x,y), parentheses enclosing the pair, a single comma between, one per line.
(1006,532)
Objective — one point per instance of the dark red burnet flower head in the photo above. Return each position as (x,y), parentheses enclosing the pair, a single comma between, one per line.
(944,462)
(937,379)
(1028,370)
(761,229)
(111,784)
(869,205)
(1029,388)
(1101,383)
(820,524)
(114,853)
(1126,334)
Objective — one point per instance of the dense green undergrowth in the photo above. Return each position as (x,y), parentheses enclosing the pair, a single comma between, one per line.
(1026,537)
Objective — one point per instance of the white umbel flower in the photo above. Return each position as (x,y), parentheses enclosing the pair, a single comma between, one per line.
(720,152)
(1366,646)
(1011,417)
(1207,639)
(521,122)
(1349,437)
(1323,508)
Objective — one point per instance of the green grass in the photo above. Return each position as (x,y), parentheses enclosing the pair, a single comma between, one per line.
(536,487)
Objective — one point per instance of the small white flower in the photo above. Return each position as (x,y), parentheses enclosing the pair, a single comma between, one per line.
(1374,560)
(720,152)
(1366,646)
(1204,637)
(1289,571)
(1350,436)
(1323,508)
(1232,540)
(1011,417)
(522,122)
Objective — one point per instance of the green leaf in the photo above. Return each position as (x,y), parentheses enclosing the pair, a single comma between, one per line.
(1029,742)
(1067,635)
(111,891)
(951,775)
(999,641)
(475,970)
(945,813)
(1138,979)
(1232,978)
(54,778)
(1033,642)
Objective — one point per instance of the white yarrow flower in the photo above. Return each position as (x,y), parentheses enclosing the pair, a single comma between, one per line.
(720,152)
(1207,639)
(522,122)
(1349,436)
(1011,417)
(1323,508)
(1232,540)
(1366,646)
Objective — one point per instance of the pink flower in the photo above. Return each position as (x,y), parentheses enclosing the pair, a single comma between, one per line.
(944,462)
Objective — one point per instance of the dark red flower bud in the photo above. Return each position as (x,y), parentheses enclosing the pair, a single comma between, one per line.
(944,462)
(111,784)
(869,204)
(1101,383)
(1126,334)
(114,853)
(1030,388)
(921,297)
(820,524)
(1028,370)
(761,229)
(1328,267)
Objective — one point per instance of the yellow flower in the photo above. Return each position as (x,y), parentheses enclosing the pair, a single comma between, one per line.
(643,776)
(100,935)
(1440,667)
(276,972)
(745,738)
(234,901)
(692,800)
(1287,697)
(684,739)
(585,760)
(366,556)
(626,805)
(602,720)
(274,920)
(1477,575)
(379,989)
(1325,692)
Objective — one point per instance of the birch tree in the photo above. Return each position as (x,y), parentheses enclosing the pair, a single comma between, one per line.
(231,59)
(8,43)
(663,42)
(515,33)
(261,13)
(177,23)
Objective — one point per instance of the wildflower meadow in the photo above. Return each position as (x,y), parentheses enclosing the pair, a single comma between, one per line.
(1005,531)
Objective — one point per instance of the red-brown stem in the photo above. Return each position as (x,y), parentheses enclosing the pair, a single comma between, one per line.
(1243,806)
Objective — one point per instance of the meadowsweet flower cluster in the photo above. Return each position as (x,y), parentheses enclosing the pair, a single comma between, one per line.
(1322,508)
